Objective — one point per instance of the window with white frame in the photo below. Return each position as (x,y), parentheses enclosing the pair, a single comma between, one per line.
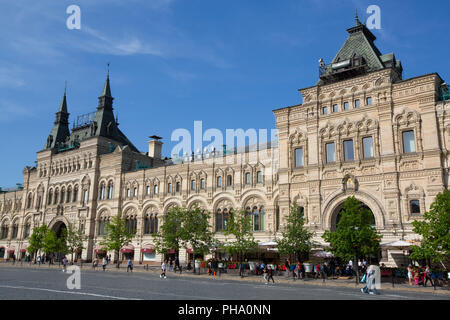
(330,152)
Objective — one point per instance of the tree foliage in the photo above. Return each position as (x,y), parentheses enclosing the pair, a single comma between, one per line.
(296,239)
(117,235)
(435,231)
(74,239)
(240,229)
(36,242)
(354,237)
(170,233)
(195,230)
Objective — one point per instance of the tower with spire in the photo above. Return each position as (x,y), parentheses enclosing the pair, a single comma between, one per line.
(60,132)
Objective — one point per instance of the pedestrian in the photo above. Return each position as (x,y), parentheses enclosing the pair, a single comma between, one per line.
(287,265)
(130,265)
(427,276)
(410,275)
(104,263)
(177,264)
(317,271)
(299,270)
(370,287)
(266,274)
(170,264)
(64,263)
(163,269)
(39,260)
(242,269)
(270,275)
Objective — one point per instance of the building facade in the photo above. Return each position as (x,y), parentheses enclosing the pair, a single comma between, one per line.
(361,131)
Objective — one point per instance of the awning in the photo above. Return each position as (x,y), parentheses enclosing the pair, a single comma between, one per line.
(148,248)
(190,250)
(397,244)
(171,251)
(127,249)
(23,250)
(268,244)
(324,254)
(99,249)
(10,250)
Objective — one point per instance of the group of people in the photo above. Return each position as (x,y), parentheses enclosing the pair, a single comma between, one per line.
(418,276)
(174,265)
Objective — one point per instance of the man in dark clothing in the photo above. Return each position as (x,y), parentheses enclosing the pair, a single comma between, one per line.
(242,269)
(270,274)
(177,265)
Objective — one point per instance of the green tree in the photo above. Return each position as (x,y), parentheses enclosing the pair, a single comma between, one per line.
(51,244)
(354,237)
(435,232)
(170,235)
(240,228)
(296,238)
(117,235)
(74,239)
(36,243)
(195,231)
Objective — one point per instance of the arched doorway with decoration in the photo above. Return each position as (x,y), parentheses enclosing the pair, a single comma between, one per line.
(60,229)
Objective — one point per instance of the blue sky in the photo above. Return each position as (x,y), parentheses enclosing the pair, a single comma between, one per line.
(227,63)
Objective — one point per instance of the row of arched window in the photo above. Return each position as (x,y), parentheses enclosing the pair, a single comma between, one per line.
(63,196)
(106,192)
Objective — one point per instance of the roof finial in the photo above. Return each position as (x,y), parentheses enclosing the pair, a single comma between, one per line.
(358,23)
(108,68)
(65,87)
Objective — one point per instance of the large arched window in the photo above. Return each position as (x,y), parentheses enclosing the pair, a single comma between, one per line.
(69,195)
(50,197)
(27,229)
(222,219)
(55,201)
(131,223)
(257,216)
(102,191)
(63,195)
(29,201)
(101,227)
(110,190)
(15,230)
(5,230)
(151,223)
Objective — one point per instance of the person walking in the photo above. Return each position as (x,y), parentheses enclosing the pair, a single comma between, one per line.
(130,265)
(427,276)
(370,287)
(242,269)
(287,265)
(270,275)
(170,264)
(64,263)
(410,275)
(266,274)
(38,259)
(177,264)
(163,269)
(104,263)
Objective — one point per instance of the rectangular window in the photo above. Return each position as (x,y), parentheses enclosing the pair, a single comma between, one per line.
(330,152)
(324,110)
(346,106)
(369,101)
(135,192)
(128,193)
(202,184)
(335,108)
(299,157)
(348,150)
(409,145)
(178,187)
(85,197)
(367,147)
(155,189)
(259,177)
(357,103)
(193,185)
(148,190)
(415,207)
(169,188)
(219,182)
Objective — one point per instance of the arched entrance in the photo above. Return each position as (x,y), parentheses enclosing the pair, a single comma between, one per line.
(59,228)
(338,211)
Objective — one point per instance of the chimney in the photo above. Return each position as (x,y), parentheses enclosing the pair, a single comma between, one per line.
(154,148)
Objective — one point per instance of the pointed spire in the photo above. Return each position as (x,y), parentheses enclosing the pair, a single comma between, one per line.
(358,23)
(63,106)
(107,89)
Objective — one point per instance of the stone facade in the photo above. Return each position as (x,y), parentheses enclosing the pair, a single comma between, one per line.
(372,135)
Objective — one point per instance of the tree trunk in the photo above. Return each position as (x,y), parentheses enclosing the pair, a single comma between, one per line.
(355,265)
(118,255)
